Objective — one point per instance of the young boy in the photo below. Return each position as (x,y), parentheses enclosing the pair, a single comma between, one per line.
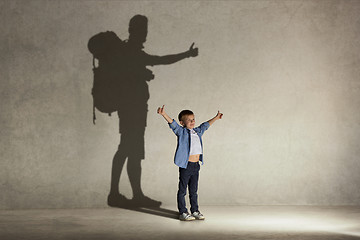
(187,156)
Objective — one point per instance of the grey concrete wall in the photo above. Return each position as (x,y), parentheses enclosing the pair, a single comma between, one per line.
(284,73)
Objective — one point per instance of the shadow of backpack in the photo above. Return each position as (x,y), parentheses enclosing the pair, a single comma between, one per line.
(106,48)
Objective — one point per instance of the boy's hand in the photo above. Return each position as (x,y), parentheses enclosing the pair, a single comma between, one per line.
(218,115)
(161,110)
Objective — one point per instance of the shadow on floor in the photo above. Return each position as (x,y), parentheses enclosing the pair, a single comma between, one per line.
(157,211)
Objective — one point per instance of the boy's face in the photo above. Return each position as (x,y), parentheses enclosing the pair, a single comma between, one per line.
(188,121)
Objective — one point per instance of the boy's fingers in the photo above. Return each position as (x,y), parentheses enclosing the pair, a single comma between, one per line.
(192,45)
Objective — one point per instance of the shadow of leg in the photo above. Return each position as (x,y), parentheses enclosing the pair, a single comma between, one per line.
(134,171)
(115,199)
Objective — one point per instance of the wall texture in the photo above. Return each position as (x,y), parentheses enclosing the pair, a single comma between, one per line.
(284,73)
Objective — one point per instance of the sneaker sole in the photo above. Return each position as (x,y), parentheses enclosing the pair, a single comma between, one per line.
(187,220)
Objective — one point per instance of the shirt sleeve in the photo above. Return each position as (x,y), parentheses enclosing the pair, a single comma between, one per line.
(202,128)
(177,129)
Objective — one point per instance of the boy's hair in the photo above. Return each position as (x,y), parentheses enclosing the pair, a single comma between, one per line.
(184,113)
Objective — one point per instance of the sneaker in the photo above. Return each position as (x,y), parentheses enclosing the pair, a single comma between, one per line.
(186,217)
(197,215)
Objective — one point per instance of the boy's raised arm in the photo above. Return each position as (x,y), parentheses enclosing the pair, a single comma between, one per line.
(217,117)
(162,112)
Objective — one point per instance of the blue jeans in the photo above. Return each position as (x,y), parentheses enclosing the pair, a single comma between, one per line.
(188,177)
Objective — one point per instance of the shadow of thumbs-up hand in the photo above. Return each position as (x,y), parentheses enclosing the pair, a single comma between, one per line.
(193,52)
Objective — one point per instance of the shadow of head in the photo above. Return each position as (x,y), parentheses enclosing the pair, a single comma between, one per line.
(138,28)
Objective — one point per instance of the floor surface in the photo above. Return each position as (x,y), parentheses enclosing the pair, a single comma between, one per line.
(240,222)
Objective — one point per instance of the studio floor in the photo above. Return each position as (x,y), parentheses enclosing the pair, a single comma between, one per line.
(222,222)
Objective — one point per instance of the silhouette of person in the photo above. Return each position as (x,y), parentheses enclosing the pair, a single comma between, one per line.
(132,109)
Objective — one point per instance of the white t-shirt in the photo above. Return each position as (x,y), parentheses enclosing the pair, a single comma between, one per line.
(195,146)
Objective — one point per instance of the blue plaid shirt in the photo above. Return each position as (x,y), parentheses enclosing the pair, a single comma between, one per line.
(183,142)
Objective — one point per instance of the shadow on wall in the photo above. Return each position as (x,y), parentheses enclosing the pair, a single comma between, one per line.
(120,84)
